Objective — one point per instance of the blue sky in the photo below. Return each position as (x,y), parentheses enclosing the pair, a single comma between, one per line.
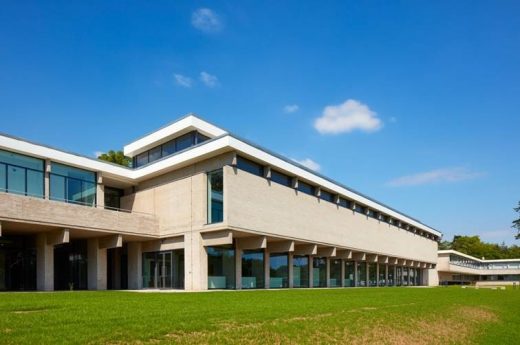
(413,103)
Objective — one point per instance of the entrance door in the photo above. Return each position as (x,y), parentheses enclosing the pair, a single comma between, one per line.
(165,270)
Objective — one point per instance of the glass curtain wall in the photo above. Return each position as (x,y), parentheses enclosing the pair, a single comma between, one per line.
(372,275)
(221,267)
(253,275)
(17,263)
(319,272)
(361,273)
(391,278)
(411,274)
(163,270)
(382,275)
(300,271)
(335,273)
(405,276)
(20,174)
(70,266)
(215,197)
(349,274)
(399,276)
(278,270)
(72,185)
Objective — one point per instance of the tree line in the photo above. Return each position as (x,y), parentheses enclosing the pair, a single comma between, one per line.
(472,245)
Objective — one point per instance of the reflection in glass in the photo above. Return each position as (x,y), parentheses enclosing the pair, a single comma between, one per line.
(279,270)
(253,269)
(349,274)
(319,272)
(215,197)
(300,271)
(391,278)
(221,267)
(372,274)
(335,273)
(361,274)
(382,274)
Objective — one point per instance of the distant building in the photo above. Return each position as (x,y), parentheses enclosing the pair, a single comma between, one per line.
(201,209)
(458,268)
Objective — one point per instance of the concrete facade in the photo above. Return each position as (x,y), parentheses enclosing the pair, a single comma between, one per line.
(161,237)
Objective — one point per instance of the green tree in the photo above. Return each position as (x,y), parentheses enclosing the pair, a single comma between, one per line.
(117,157)
(444,245)
(516,223)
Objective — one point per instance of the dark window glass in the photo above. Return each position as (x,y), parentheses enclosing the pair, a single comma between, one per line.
(250,166)
(113,198)
(253,269)
(306,188)
(361,274)
(319,272)
(281,178)
(141,159)
(372,274)
(345,203)
(70,260)
(349,274)
(300,271)
(391,271)
(372,213)
(72,184)
(278,271)
(185,141)
(163,270)
(168,148)
(20,174)
(335,273)
(385,218)
(201,138)
(154,154)
(215,197)
(3,177)
(360,209)
(327,196)
(382,275)
(221,267)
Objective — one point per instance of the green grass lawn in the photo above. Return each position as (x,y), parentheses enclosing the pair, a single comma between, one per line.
(322,316)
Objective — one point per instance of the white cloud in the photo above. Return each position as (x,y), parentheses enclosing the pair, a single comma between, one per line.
(206,20)
(208,79)
(291,108)
(435,176)
(183,80)
(98,153)
(347,117)
(309,163)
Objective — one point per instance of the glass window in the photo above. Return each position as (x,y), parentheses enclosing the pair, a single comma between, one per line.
(250,166)
(391,270)
(372,213)
(215,197)
(20,174)
(221,267)
(300,271)
(405,276)
(349,274)
(327,196)
(141,159)
(279,270)
(306,188)
(360,209)
(361,274)
(184,142)
(345,203)
(281,178)
(398,276)
(154,154)
(372,275)
(168,148)
(411,276)
(335,273)
(201,138)
(319,272)
(72,184)
(253,269)
(382,275)
(113,198)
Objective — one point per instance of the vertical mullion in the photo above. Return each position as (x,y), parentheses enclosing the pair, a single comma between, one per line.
(25,178)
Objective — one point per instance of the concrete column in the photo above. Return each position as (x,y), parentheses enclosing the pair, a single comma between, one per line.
(342,283)
(195,263)
(44,263)
(135,279)
(291,270)
(267,273)
(100,191)
(96,265)
(238,267)
(47,179)
(328,272)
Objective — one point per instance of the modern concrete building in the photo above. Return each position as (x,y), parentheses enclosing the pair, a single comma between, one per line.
(458,268)
(200,209)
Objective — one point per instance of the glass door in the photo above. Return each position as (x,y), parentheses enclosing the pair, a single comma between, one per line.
(165,270)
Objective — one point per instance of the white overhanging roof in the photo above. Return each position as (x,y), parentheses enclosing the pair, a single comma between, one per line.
(221,142)
(451,251)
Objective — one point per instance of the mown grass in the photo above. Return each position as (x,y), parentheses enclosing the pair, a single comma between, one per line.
(322,316)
